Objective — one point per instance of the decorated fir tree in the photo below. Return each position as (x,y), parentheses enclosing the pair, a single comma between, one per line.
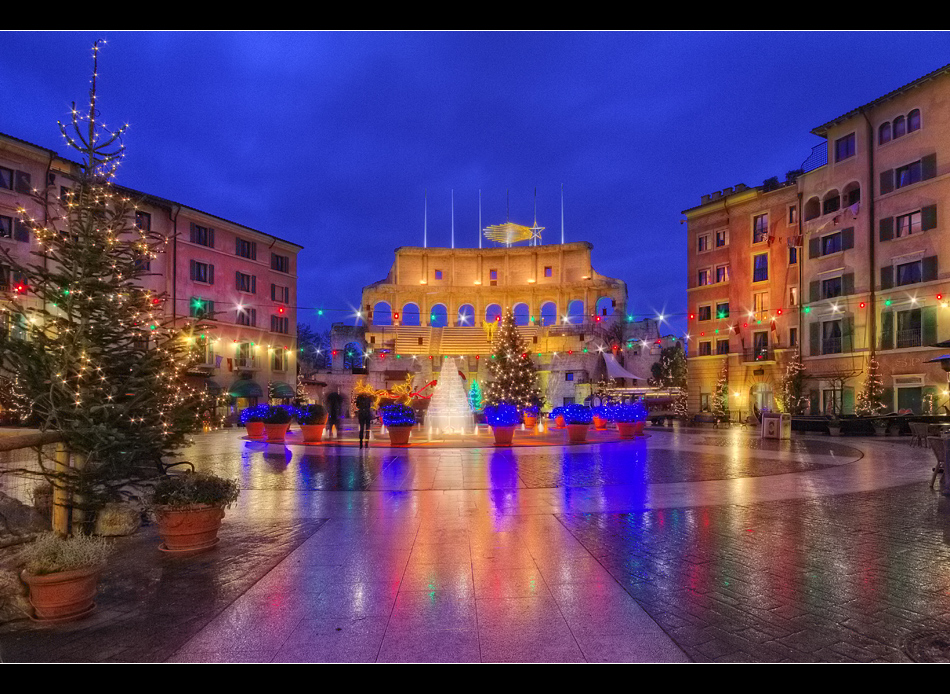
(720,405)
(871,398)
(514,378)
(94,354)
(791,390)
(475,396)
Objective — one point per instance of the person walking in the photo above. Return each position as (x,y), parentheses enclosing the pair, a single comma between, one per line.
(365,415)
(334,411)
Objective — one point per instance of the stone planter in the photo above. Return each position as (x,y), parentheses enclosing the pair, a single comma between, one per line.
(63,596)
(880,431)
(600,424)
(188,528)
(628,430)
(834,431)
(503,435)
(255,430)
(312,433)
(577,433)
(399,436)
(275,433)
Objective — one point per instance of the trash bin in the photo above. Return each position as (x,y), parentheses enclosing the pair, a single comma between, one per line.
(776,425)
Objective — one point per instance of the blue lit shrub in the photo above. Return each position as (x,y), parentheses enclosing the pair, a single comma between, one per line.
(254,414)
(627,413)
(398,415)
(578,414)
(502,415)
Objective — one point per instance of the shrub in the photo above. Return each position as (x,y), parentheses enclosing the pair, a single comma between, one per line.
(629,412)
(194,488)
(602,411)
(277,415)
(50,553)
(398,415)
(254,414)
(555,413)
(578,414)
(502,415)
(312,414)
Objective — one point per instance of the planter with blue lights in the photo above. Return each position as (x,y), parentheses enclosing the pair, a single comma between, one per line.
(531,417)
(601,418)
(276,424)
(630,418)
(312,420)
(399,421)
(503,418)
(252,418)
(578,419)
(557,414)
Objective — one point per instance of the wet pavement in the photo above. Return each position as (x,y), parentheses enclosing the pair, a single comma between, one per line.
(694,544)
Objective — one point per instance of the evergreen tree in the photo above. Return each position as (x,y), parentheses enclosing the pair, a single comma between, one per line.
(514,378)
(475,396)
(671,369)
(721,397)
(791,390)
(870,399)
(99,363)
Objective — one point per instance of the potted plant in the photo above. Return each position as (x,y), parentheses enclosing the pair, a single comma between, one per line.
(399,420)
(252,418)
(312,420)
(276,424)
(557,414)
(63,575)
(880,426)
(189,508)
(531,416)
(834,425)
(578,419)
(503,418)
(630,418)
(601,416)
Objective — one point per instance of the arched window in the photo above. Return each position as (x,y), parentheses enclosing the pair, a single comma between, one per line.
(851,194)
(605,307)
(438,316)
(352,356)
(410,314)
(493,313)
(831,202)
(884,133)
(522,314)
(548,313)
(900,127)
(913,120)
(466,315)
(575,312)
(382,314)
(812,209)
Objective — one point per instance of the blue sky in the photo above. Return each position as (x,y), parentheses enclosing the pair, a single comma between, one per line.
(330,139)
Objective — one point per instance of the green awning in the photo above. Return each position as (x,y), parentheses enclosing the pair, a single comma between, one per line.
(246,389)
(279,389)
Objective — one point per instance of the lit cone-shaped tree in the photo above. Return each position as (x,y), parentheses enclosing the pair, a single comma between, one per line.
(871,398)
(513,376)
(475,396)
(92,351)
(720,406)
(792,388)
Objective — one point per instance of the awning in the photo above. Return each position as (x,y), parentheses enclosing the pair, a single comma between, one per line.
(245,389)
(279,389)
(614,370)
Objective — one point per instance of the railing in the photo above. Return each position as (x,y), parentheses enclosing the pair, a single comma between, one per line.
(246,363)
(909,338)
(758,354)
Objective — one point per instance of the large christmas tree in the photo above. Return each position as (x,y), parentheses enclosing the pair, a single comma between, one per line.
(871,398)
(791,390)
(101,367)
(513,376)
(720,405)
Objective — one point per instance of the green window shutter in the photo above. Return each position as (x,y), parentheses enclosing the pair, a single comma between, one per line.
(210,274)
(887,330)
(814,338)
(193,271)
(814,402)
(928,217)
(928,167)
(887,397)
(847,334)
(929,268)
(814,249)
(814,291)
(928,316)
(887,181)
(253,284)
(887,277)
(847,238)
(847,283)
(887,229)
(847,400)
(211,238)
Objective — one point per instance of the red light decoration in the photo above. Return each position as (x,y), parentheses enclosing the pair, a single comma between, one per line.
(692,316)
(939,297)
(396,315)
(702,334)
(280,310)
(745,325)
(862,305)
(779,312)
(570,351)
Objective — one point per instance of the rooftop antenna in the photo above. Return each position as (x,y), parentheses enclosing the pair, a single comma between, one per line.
(425,222)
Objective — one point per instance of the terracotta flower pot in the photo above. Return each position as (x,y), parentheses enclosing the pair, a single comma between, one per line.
(503,435)
(255,430)
(530,422)
(559,422)
(600,424)
(65,595)
(399,436)
(628,430)
(639,427)
(577,433)
(189,528)
(312,432)
(276,432)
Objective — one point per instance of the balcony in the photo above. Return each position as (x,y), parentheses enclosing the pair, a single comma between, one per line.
(909,338)
(247,363)
(758,354)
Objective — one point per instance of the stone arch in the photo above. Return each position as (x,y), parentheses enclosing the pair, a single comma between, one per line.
(831,202)
(812,208)
(466,315)
(492,313)
(410,314)
(575,312)
(605,307)
(438,316)
(548,313)
(353,356)
(382,313)
(522,314)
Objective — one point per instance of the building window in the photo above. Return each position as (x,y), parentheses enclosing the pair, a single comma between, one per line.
(760,228)
(705,349)
(722,346)
(279,363)
(202,272)
(913,120)
(203,236)
(246,283)
(280,324)
(201,308)
(280,294)
(831,288)
(722,273)
(793,337)
(909,328)
(722,238)
(704,276)
(722,310)
(438,274)
(493,278)
(793,214)
(900,127)
(280,263)
(793,255)
(15,229)
(760,267)
(831,243)
(907,175)
(548,271)
(247,316)
(844,148)
(909,273)
(884,133)
(705,313)
(143,221)
(760,305)
(704,402)
(702,243)
(6,227)
(569,376)
(6,178)
(204,348)
(245,249)
(831,337)
(907,224)
(793,296)
(244,355)
(832,203)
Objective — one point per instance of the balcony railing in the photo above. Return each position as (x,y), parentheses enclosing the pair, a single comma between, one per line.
(909,338)
(246,363)
(758,354)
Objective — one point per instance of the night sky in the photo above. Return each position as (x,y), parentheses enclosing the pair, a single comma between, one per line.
(330,140)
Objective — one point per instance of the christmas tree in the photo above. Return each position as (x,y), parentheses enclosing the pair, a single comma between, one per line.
(720,406)
(870,399)
(96,358)
(791,390)
(475,396)
(514,379)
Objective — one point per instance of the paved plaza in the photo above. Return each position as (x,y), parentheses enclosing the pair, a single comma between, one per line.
(690,545)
